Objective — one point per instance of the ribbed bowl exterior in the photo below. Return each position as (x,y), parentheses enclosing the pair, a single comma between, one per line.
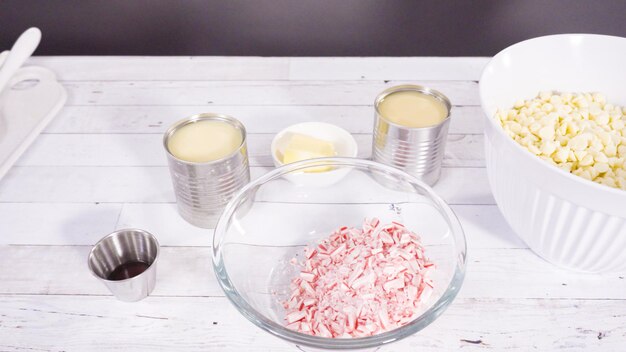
(559,230)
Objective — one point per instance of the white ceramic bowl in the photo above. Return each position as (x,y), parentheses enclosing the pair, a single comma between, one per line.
(345,146)
(567,220)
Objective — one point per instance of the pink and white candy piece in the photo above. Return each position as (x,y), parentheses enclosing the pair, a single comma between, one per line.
(360,282)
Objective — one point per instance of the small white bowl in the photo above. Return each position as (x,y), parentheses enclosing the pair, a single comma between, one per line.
(345,146)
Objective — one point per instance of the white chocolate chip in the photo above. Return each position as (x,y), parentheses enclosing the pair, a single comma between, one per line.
(579,133)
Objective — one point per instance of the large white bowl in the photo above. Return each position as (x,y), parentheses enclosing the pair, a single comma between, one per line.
(567,220)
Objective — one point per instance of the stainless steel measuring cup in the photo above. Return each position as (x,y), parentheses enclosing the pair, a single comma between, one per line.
(125,261)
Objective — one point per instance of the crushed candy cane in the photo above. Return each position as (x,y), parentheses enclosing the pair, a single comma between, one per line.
(359,282)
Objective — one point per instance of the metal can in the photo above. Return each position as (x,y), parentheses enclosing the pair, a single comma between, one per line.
(203,189)
(417,151)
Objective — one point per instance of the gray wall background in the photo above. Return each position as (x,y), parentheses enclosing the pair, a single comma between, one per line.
(300,28)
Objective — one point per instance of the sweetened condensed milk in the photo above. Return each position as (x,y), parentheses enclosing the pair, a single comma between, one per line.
(204,141)
(413,109)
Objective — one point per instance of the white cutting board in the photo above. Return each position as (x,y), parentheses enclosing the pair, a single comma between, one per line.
(26,107)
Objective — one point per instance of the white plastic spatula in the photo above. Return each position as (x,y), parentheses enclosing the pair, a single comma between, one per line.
(23,48)
(30,98)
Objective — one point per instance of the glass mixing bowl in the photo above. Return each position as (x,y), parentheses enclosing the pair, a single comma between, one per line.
(272,219)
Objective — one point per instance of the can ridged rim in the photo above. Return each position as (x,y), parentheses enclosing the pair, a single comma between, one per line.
(206,116)
(416,88)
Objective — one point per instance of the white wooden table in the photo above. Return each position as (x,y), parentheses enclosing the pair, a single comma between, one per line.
(100,166)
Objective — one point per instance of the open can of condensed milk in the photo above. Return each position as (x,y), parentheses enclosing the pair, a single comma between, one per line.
(410,130)
(208,162)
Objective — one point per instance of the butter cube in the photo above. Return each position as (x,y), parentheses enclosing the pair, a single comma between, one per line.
(303,147)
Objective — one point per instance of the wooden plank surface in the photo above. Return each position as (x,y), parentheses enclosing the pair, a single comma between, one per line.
(144,184)
(158,93)
(187,272)
(156,119)
(262,68)
(147,150)
(100,166)
(77,68)
(87,323)
(85,223)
